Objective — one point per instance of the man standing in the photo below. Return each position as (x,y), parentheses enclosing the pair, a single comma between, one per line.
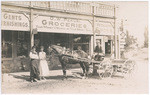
(34,70)
(98,52)
(98,55)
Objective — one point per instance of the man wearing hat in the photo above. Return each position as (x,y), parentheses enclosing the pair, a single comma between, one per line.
(98,55)
(98,51)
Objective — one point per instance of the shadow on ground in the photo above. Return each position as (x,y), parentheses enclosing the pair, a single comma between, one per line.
(22,77)
(75,75)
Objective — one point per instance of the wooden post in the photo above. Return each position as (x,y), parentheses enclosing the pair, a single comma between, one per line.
(93,28)
(91,45)
(118,45)
(115,35)
(14,41)
(71,42)
(31,27)
(94,36)
(94,39)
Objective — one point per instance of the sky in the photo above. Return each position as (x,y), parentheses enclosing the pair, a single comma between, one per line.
(135,17)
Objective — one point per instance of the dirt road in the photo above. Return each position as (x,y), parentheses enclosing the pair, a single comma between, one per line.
(135,84)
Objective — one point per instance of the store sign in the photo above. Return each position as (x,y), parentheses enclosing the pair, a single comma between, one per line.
(14,21)
(104,28)
(123,35)
(62,25)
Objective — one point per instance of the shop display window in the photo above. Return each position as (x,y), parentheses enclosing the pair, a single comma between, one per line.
(7,44)
(23,43)
(47,39)
(62,40)
(15,43)
(81,40)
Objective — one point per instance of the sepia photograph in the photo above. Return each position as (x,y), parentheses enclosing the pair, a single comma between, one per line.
(74,47)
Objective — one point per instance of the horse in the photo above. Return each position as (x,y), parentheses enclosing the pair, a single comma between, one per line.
(70,57)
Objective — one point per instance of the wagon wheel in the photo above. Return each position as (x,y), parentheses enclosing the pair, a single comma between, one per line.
(90,70)
(108,70)
(105,69)
(128,68)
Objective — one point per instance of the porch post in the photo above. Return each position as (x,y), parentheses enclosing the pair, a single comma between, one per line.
(31,27)
(115,36)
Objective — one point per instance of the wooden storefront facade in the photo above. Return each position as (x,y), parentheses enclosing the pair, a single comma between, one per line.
(68,24)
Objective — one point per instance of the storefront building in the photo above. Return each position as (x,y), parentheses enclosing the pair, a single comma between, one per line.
(68,24)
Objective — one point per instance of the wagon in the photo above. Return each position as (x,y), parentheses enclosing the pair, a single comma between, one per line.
(124,66)
(108,67)
(112,67)
(104,67)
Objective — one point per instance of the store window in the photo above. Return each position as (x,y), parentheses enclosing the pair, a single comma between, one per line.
(81,40)
(7,44)
(23,43)
(15,43)
(62,40)
(47,39)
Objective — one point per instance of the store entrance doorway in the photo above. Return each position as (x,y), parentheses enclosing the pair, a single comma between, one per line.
(108,47)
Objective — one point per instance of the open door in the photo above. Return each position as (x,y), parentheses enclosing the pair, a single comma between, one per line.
(108,47)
